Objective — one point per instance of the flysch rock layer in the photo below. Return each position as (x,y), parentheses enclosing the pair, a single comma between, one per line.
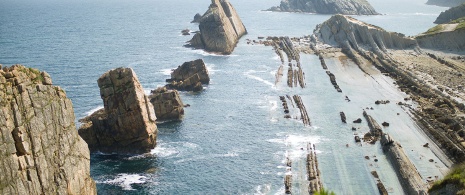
(126,124)
(189,76)
(346,7)
(220,28)
(167,104)
(41,152)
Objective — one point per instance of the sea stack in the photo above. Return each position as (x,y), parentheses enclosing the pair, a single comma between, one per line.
(41,151)
(220,29)
(167,104)
(189,76)
(126,124)
(346,7)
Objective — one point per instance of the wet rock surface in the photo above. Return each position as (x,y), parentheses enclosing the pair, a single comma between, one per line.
(41,152)
(126,124)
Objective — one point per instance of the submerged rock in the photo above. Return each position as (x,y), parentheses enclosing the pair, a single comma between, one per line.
(41,152)
(189,76)
(220,28)
(167,104)
(347,7)
(126,124)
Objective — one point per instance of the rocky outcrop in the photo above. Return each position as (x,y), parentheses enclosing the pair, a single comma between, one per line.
(167,104)
(445,40)
(220,28)
(347,7)
(351,34)
(41,152)
(445,3)
(189,76)
(451,14)
(126,124)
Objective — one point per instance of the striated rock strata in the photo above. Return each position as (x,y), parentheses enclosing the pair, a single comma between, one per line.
(41,152)
(189,76)
(451,14)
(347,7)
(220,28)
(126,124)
(167,104)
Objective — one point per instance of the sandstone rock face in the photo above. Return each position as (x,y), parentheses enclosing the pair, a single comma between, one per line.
(445,3)
(451,14)
(126,125)
(220,28)
(351,34)
(167,104)
(347,7)
(447,41)
(41,152)
(189,76)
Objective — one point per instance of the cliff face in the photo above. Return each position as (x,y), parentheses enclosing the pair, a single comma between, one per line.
(347,7)
(220,28)
(126,125)
(445,3)
(451,14)
(41,152)
(446,41)
(349,33)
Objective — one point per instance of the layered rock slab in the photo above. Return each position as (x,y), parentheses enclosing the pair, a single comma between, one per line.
(220,28)
(346,7)
(189,76)
(126,124)
(167,104)
(41,152)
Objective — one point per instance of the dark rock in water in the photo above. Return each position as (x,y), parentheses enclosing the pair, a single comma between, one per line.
(220,28)
(357,138)
(41,151)
(197,18)
(348,7)
(359,120)
(185,32)
(167,104)
(189,76)
(426,145)
(126,124)
(385,124)
(343,117)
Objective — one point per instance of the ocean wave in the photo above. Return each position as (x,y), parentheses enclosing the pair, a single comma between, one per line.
(249,74)
(162,151)
(166,72)
(88,113)
(126,180)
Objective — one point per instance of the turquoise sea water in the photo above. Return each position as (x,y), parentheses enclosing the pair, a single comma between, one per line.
(233,139)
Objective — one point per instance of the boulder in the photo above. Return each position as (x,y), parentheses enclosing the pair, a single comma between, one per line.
(126,124)
(359,120)
(167,104)
(189,76)
(41,151)
(220,29)
(347,7)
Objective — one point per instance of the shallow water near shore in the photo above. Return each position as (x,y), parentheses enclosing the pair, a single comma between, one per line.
(233,139)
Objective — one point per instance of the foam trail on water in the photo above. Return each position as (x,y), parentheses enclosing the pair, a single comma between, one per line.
(126,180)
(249,74)
(88,113)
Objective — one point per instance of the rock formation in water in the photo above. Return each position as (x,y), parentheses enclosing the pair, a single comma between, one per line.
(220,28)
(351,34)
(126,124)
(445,3)
(189,76)
(197,18)
(347,7)
(451,14)
(167,104)
(41,152)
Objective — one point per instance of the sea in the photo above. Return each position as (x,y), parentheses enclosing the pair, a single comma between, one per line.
(233,138)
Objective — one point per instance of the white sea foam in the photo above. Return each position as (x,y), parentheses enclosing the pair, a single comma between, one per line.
(231,154)
(249,74)
(166,72)
(274,105)
(162,151)
(211,68)
(88,113)
(126,180)
(262,189)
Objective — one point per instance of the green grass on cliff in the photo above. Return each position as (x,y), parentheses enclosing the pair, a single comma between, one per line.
(436,29)
(455,176)
(460,21)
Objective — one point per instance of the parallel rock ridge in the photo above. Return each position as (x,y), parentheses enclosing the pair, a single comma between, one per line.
(349,33)
(451,14)
(220,28)
(41,152)
(126,125)
(347,7)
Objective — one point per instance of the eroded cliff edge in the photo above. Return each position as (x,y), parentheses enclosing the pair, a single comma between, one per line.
(220,28)
(41,152)
(347,7)
(451,14)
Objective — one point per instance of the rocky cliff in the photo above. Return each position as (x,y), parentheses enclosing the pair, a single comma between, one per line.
(445,3)
(451,14)
(167,104)
(445,37)
(220,28)
(41,152)
(351,34)
(347,7)
(126,125)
